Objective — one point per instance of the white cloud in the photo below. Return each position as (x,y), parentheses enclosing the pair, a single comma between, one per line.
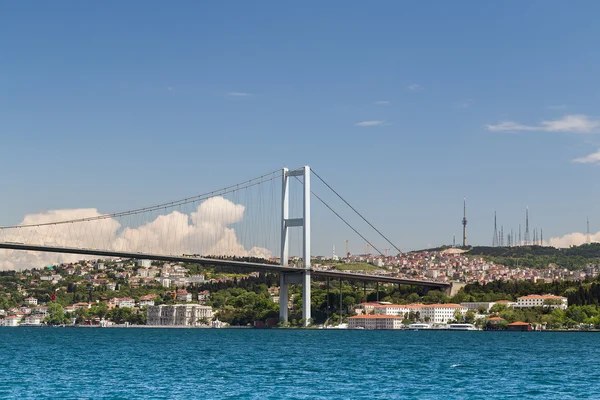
(205,231)
(238,94)
(382,102)
(414,87)
(370,123)
(573,239)
(576,123)
(593,158)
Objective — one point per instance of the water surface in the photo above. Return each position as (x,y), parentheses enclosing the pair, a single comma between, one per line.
(271,364)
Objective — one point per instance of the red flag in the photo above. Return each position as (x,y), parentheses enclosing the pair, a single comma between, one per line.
(54,295)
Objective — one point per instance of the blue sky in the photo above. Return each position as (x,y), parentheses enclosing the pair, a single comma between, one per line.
(405,107)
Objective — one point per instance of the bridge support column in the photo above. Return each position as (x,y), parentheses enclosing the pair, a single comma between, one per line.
(283,298)
(300,277)
(287,223)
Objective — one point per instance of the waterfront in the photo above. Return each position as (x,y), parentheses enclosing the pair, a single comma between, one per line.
(302,364)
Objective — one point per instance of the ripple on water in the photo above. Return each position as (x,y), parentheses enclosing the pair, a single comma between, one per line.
(273,364)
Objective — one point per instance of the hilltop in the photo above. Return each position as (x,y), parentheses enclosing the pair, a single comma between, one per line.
(576,257)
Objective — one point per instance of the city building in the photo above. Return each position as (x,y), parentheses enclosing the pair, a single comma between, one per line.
(122,302)
(519,326)
(476,305)
(183,295)
(441,313)
(374,321)
(147,300)
(32,320)
(12,320)
(179,315)
(545,300)
(31,301)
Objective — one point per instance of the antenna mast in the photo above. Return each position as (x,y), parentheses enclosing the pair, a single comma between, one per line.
(495,239)
(464,222)
(527,227)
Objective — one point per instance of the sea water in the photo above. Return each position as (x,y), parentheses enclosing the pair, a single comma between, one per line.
(132,363)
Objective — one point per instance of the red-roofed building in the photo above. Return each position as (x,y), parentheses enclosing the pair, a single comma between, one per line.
(374,321)
(542,300)
(519,326)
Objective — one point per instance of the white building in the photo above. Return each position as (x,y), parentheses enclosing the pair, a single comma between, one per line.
(31,301)
(475,305)
(366,308)
(12,320)
(144,263)
(374,321)
(148,272)
(441,313)
(124,302)
(183,295)
(147,300)
(165,282)
(542,300)
(33,320)
(401,310)
(179,315)
(41,311)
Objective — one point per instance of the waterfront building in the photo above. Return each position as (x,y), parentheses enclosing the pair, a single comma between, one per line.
(546,300)
(435,313)
(374,321)
(33,320)
(441,313)
(519,326)
(179,315)
(41,311)
(12,320)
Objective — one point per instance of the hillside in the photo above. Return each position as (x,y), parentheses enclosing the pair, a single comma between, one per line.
(575,257)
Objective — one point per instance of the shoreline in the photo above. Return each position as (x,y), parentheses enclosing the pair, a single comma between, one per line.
(281,328)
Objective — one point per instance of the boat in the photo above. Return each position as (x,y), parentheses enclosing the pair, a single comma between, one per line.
(416,327)
(462,327)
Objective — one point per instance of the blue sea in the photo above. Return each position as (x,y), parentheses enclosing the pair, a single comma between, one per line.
(129,363)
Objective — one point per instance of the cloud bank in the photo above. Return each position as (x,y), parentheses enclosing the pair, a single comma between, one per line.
(573,239)
(204,231)
(370,123)
(593,158)
(576,123)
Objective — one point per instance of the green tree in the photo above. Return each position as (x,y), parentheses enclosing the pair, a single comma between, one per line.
(56,315)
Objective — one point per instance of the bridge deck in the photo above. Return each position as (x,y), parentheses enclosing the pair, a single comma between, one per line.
(224,263)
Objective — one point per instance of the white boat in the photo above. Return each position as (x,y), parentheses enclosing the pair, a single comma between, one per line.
(416,327)
(462,327)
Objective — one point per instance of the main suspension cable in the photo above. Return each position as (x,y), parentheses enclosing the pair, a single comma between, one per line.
(353,209)
(229,189)
(340,217)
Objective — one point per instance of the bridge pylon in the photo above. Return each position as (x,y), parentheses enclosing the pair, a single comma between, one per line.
(303,275)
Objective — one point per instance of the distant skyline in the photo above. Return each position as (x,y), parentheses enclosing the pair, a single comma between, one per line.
(406,108)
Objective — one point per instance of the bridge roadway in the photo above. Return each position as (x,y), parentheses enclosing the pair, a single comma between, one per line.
(224,263)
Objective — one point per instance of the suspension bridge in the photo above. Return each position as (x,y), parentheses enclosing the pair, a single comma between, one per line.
(249,225)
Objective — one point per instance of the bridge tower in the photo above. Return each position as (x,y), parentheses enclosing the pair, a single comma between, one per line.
(302,276)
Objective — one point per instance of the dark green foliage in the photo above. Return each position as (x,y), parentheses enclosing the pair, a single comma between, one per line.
(575,257)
